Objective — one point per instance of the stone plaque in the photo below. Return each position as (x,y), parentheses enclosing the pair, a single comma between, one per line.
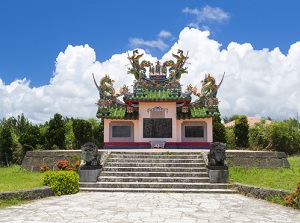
(157,128)
(121,131)
(194,131)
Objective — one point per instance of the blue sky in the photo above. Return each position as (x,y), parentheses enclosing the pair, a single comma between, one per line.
(36,34)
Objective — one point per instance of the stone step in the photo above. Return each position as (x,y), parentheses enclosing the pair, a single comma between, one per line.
(154,179)
(169,160)
(153,174)
(157,190)
(156,185)
(183,165)
(128,156)
(166,153)
(154,169)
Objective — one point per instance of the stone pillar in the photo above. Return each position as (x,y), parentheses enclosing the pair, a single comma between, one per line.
(89,175)
(218,174)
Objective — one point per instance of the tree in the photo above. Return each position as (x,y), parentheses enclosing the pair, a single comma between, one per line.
(241,131)
(21,124)
(10,122)
(16,127)
(98,133)
(70,140)
(82,131)
(30,138)
(232,118)
(258,138)
(219,134)
(230,138)
(284,136)
(6,143)
(55,133)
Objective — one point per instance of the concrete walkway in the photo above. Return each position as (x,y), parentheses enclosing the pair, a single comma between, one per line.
(149,207)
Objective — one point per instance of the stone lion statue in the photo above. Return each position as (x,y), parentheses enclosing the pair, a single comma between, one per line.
(89,155)
(217,155)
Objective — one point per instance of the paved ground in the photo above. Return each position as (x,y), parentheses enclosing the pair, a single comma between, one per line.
(149,207)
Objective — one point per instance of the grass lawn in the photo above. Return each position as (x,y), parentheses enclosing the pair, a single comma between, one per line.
(12,202)
(15,178)
(282,178)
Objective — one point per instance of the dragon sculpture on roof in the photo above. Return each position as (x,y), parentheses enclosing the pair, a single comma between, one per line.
(108,95)
(208,92)
(161,75)
(157,77)
(138,69)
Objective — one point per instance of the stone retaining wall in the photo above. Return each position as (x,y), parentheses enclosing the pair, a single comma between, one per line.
(260,193)
(259,159)
(29,194)
(34,159)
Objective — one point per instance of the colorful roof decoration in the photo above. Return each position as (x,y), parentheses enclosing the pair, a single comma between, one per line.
(157,83)
(156,95)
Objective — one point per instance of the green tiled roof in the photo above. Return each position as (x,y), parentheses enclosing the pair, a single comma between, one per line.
(118,113)
(157,95)
(197,112)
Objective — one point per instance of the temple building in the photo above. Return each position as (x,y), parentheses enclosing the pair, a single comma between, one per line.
(157,114)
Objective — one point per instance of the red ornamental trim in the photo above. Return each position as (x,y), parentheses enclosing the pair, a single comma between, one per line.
(126,143)
(157,100)
(187,144)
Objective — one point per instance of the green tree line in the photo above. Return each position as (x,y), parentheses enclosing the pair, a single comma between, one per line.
(19,135)
(277,136)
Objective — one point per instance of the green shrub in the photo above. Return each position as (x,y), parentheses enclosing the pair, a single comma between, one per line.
(62,182)
(285,137)
(230,138)
(258,136)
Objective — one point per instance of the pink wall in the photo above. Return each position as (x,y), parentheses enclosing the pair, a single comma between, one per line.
(169,113)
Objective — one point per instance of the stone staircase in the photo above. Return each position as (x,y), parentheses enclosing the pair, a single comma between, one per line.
(183,172)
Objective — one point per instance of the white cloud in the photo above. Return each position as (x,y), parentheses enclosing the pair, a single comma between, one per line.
(148,45)
(164,34)
(207,14)
(257,82)
(139,42)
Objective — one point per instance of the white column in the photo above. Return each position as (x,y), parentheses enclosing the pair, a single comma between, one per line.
(209,130)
